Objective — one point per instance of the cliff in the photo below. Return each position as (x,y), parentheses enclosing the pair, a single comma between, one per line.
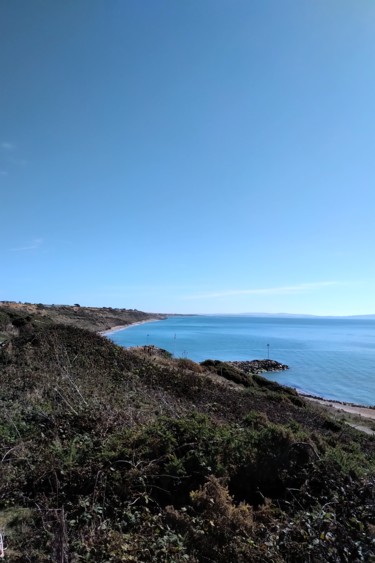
(91,318)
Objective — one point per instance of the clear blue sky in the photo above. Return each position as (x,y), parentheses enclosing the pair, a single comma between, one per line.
(188,156)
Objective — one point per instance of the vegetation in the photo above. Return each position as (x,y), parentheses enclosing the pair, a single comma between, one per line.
(118,455)
(91,318)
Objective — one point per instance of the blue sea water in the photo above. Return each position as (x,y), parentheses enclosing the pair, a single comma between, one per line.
(332,358)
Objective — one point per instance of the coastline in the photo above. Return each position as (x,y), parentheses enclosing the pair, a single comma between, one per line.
(350,408)
(354,411)
(124,327)
(360,417)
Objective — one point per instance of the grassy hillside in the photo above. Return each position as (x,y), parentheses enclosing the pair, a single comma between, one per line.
(111,455)
(91,318)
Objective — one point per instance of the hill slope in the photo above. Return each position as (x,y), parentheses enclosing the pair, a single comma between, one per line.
(117,455)
(92,318)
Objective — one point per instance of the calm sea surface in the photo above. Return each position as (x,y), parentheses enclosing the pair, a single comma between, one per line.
(333,358)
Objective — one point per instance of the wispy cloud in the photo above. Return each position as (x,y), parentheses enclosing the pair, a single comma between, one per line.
(33,245)
(17,161)
(6,145)
(283,290)
(9,154)
(3,173)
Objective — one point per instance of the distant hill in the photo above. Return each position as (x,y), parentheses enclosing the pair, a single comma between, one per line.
(305,316)
(283,315)
(370,317)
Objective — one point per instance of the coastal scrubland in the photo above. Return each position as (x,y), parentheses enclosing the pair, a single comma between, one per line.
(111,454)
(90,318)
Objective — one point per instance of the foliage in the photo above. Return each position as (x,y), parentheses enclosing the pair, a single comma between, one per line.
(228,372)
(111,455)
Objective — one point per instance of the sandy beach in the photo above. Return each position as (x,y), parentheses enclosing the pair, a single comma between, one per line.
(358,416)
(123,327)
(360,410)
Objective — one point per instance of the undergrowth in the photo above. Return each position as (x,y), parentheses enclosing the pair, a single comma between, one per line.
(112,455)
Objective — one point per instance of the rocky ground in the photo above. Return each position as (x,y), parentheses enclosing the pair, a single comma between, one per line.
(259,366)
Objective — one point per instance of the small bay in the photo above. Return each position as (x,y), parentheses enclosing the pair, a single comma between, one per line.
(329,357)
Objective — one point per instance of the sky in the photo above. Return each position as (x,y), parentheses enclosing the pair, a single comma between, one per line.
(198,156)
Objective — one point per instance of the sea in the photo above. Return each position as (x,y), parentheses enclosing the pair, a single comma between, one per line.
(332,358)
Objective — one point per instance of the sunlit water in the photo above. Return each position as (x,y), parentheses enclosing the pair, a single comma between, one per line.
(333,358)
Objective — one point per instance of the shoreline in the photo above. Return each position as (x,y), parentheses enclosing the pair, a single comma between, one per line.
(363,411)
(118,328)
(333,405)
